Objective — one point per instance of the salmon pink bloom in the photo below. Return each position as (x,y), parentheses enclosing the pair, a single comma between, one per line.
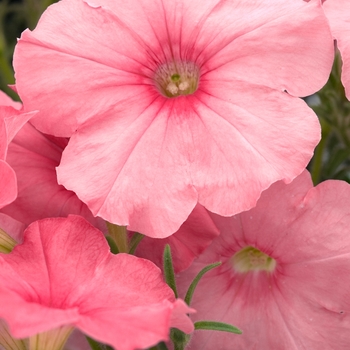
(284,279)
(173,103)
(64,276)
(337,12)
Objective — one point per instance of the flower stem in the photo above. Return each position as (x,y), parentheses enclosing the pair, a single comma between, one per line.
(119,236)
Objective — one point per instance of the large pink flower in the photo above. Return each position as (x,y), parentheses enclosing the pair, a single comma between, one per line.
(171,103)
(284,280)
(63,275)
(12,119)
(337,11)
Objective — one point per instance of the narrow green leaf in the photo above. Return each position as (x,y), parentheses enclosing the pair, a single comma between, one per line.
(112,245)
(160,346)
(192,287)
(168,267)
(216,326)
(135,240)
(96,345)
(93,344)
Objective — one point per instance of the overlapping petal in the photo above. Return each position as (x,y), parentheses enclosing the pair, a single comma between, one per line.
(8,189)
(177,170)
(186,244)
(12,119)
(12,227)
(34,157)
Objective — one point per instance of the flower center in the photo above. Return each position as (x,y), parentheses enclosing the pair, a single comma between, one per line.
(252,259)
(177,78)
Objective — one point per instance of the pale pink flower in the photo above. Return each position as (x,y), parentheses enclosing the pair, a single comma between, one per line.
(34,157)
(337,12)
(284,279)
(12,119)
(173,103)
(64,276)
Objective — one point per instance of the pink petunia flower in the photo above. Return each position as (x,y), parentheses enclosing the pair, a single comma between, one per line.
(284,279)
(173,103)
(34,157)
(12,119)
(64,276)
(337,12)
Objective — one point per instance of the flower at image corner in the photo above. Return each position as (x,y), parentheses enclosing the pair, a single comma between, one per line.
(172,103)
(284,278)
(63,277)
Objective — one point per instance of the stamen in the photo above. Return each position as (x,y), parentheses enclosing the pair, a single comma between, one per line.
(252,259)
(184,86)
(172,88)
(176,79)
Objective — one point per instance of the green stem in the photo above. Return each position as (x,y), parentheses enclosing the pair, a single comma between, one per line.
(135,240)
(119,236)
(192,287)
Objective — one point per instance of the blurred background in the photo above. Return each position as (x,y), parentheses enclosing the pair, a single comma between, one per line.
(332,156)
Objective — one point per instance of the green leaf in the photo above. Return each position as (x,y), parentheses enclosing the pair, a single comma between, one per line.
(216,326)
(168,267)
(194,283)
(96,345)
(135,240)
(160,346)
